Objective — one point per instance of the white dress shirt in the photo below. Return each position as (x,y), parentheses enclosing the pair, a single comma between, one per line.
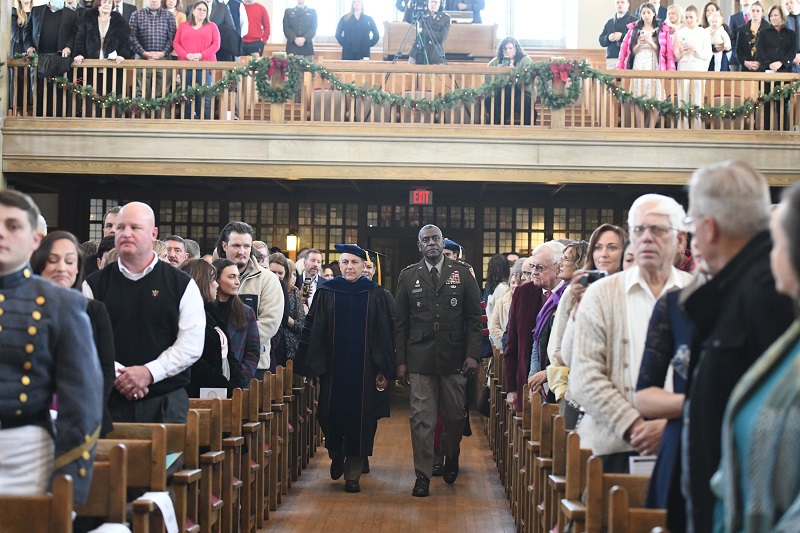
(188,346)
(640,305)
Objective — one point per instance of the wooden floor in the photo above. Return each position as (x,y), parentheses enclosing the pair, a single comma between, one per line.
(476,503)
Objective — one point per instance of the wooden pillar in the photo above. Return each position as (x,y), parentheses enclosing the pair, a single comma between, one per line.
(5,53)
(277,110)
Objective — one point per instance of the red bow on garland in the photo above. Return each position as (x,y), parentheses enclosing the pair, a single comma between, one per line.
(562,71)
(278,64)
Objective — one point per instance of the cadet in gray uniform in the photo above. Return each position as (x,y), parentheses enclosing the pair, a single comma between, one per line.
(438,340)
(46,349)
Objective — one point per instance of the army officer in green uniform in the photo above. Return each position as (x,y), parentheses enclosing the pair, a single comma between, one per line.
(437,338)
(299,27)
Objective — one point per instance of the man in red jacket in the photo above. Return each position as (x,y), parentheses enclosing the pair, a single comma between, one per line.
(525,305)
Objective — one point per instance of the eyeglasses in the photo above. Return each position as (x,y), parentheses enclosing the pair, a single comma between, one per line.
(432,238)
(656,230)
(542,268)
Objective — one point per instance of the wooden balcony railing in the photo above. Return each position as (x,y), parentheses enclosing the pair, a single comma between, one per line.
(150,90)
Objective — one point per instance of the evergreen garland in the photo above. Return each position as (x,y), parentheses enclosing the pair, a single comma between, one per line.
(541,73)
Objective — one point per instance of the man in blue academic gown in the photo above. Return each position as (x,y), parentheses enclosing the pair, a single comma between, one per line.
(347,344)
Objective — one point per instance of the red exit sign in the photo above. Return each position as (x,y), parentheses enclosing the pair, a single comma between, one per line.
(420,197)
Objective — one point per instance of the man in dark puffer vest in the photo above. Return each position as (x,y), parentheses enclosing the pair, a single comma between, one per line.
(158,319)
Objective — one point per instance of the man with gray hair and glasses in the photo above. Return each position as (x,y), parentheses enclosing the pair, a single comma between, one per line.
(610,332)
(736,315)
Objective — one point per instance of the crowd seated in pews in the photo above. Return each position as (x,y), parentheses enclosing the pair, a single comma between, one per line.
(666,384)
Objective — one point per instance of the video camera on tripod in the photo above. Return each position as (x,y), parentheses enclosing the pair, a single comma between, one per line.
(418,8)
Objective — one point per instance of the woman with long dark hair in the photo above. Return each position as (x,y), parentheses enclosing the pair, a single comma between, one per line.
(357,33)
(294,304)
(647,46)
(239,320)
(497,272)
(747,40)
(510,54)
(59,260)
(215,368)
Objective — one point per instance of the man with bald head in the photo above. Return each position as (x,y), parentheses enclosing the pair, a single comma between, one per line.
(438,341)
(158,320)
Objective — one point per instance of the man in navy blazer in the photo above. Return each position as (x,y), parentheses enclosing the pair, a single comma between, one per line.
(124,9)
(735,22)
(32,31)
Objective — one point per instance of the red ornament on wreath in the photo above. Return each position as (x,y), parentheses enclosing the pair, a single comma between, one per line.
(278,64)
(561,70)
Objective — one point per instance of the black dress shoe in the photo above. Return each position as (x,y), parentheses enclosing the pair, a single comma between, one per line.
(337,467)
(352,486)
(437,469)
(365,468)
(421,487)
(450,471)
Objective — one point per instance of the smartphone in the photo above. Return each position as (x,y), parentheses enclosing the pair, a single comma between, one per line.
(590,276)
(306,287)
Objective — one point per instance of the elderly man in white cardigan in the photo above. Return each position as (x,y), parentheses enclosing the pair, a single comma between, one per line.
(610,331)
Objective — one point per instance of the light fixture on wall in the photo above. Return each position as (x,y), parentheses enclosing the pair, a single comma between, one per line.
(291,241)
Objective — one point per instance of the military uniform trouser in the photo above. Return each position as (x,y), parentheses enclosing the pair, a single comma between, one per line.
(431,393)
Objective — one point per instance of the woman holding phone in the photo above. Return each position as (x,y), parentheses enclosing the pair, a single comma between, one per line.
(647,46)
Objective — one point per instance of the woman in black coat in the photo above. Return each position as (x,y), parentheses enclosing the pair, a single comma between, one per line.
(357,33)
(102,33)
(747,40)
(217,367)
(59,260)
(775,50)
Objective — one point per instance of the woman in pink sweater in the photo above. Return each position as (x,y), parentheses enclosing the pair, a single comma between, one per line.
(197,39)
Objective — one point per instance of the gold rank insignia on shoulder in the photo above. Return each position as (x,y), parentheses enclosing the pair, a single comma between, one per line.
(155,294)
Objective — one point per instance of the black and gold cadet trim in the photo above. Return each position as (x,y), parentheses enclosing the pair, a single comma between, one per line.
(47,350)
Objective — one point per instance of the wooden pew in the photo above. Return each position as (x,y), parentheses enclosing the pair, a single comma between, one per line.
(292,463)
(300,393)
(212,463)
(252,457)
(281,409)
(543,464)
(598,487)
(197,487)
(624,519)
(107,494)
(519,467)
(556,481)
(146,471)
(46,513)
(269,438)
(571,509)
(256,410)
(229,423)
(531,449)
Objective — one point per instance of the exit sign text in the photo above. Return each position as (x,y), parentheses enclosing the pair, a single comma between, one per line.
(420,197)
